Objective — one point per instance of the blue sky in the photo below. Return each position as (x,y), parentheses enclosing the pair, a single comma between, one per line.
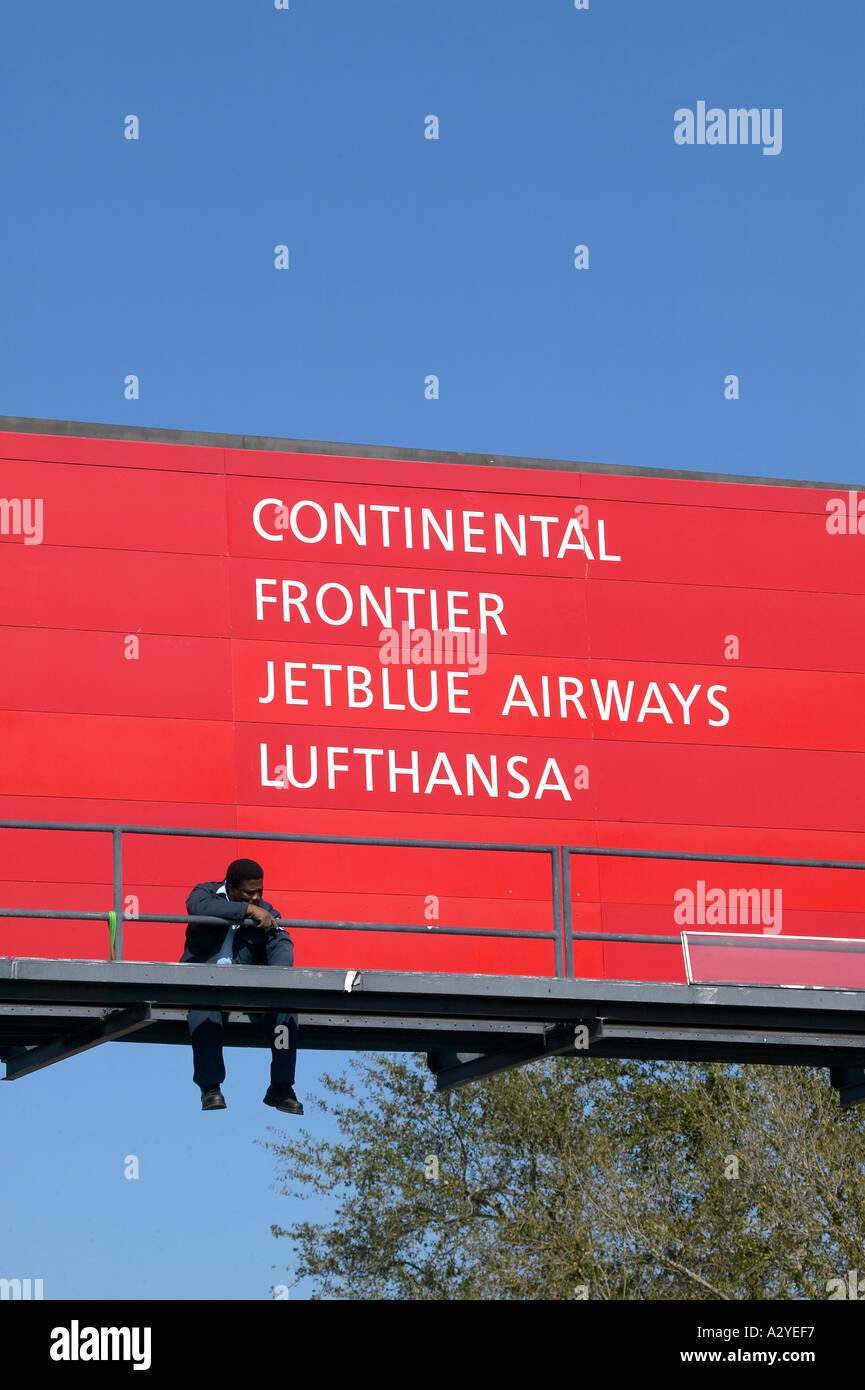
(408,257)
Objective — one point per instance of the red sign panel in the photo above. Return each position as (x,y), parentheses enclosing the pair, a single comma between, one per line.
(325,644)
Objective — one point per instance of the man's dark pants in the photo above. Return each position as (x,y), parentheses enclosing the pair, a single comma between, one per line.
(206,1029)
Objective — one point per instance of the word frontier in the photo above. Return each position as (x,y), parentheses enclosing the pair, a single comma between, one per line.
(384,607)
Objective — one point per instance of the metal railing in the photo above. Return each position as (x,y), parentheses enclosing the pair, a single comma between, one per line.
(116,914)
(691,856)
(562,934)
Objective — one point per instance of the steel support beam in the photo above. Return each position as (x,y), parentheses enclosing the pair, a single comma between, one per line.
(458,1068)
(118,1024)
(736,1037)
(428,995)
(486,1023)
(28,1025)
(849,1082)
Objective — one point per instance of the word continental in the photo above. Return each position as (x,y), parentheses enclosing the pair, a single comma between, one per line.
(418,528)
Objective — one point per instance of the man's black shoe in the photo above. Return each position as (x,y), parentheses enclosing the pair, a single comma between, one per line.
(283,1098)
(212,1099)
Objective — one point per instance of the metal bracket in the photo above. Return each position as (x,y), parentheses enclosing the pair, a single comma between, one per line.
(117,1023)
(849,1082)
(457,1068)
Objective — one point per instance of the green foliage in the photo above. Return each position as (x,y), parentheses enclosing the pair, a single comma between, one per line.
(578,1178)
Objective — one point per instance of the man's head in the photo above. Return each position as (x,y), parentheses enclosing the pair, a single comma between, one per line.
(244,881)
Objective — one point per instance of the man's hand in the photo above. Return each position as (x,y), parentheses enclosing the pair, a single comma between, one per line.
(260,916)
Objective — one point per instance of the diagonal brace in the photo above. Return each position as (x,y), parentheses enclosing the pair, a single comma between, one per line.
(457,1068)
(849,1082)
(116,1024)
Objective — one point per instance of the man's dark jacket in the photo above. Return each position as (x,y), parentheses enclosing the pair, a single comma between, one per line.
(204,943)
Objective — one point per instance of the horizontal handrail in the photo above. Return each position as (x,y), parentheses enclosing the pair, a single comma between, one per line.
(689,856)
(374,841)
(743,941)
(562,934)
(57,916)
(119,916)
(696,857)
(427,929)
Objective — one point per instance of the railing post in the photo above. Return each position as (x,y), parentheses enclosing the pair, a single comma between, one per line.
(117,878)
(559,945)
(567,918)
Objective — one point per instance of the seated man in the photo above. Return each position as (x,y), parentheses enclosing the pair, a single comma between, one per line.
(254,937)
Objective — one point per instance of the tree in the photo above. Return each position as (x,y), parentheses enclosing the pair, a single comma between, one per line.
(579,1178)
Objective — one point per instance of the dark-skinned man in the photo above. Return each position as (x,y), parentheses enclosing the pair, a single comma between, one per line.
(252,935)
